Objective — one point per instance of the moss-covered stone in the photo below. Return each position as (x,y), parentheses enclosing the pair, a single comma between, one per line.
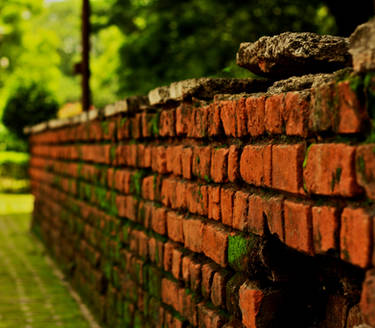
(239,249)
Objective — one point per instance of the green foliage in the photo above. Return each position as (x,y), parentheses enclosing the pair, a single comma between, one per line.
(238,248)
(28,104)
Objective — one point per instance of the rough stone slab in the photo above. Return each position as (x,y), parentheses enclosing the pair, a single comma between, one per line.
(39,127)
(298,83)
(362,47)
(92,114)
(159,95)
(58,122)
(205,89)
(289,54)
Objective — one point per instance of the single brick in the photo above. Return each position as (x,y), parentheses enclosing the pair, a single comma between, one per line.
(233,163)
(215,243)
(201,122)
(183,113)
(167,123)
(158,220)
(219,165)
(298,226)
(295,113)
(208,317)
(186,161)
(214,203)
(273,211)
(325,228)
(240,210)
(356,236)
(367,302)
(193,234)
(226,206)
(201,162)
(176,263)
(214,126)
(255,165)
(174,226)
(228,117)
(287,163)
(329,170)
(169,292)
(255,107)
(181,194)
(351,113)
(365,168)
(255,218)
(168,256)
(218,288)
(274,108)
(241,117)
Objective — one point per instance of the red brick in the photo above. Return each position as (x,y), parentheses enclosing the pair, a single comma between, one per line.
(367,302)
(255,107)
(158,220)
(226,206)
(146,124)
(255,221)
(173,156)
(258,306)
(136,126)
(298,226)
(193,233)
(240,210)
(176,263)
(159,159)
(241,117)
(214,203)
(208,317)
(201,122)
(181,194)
(202,162)
(167,123)
(197,199)
(214,126)
(218,288)
(208,271)
(356,236)
(186,161)
(255,165)
(273,209)
(233,163)
(295,113)
(287,163)
(323,108)
(219,165)
(274,108)
(195,275)
(351,114)
(215,243)
(365,168)
(174,227)
(169,292)
(168,256)
(228,117)
(325,228)
(329,170)
(183,113)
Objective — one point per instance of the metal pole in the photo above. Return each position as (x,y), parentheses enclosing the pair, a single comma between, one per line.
(86,94)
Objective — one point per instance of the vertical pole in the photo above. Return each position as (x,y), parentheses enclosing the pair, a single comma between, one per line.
(86,94)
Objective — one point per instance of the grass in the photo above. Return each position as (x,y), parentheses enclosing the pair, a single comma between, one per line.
(30,293)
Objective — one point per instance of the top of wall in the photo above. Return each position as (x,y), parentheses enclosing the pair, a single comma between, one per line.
(286,62)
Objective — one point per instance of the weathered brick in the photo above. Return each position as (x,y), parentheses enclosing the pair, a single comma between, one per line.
(219,165)
(208,317)
(228,117)
(255,107)
(274,108)
(214,203)
(356,236)
(255,165)
(193,233)
(158,220)
(295,113)
(287,163)
(240,210)
(241,117)
(186,161)
(325,228)
(174,226)
(367,302)
(233,163)
(214,126)
(298,226)
(218,288)
(215,243)
(329,170)
(226,206)
(201,162)
(167,123)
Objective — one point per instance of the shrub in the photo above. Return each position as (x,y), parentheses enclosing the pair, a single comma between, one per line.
(28,104)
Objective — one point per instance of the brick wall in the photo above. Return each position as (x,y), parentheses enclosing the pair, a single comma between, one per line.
(204,206)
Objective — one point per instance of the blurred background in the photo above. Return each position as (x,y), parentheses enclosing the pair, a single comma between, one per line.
(136,45)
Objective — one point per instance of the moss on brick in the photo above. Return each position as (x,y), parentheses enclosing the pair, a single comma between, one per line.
(239,247)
